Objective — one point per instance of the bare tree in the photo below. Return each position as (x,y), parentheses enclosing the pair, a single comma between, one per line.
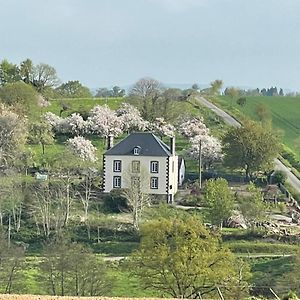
(147,91)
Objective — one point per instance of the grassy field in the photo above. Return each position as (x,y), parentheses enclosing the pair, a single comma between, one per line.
(284,111)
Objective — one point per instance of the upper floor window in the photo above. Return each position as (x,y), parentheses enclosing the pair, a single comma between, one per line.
(117,181)
(135,166)
(117,166)
(154,183)
(154,166)
(136,150)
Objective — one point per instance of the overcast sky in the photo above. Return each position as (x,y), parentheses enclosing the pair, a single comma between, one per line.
(106,42)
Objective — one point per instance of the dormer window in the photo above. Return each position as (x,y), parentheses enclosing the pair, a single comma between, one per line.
(136,150)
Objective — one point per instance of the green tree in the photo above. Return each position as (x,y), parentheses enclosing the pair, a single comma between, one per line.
(216,86)
(44,76)
(180,258)
(73,89)
(41,133)
(9,72)
(21,96)
(263,113)
(220,200)
(252,148)
(253,207)
(231,92)
(26,71)
(118,92)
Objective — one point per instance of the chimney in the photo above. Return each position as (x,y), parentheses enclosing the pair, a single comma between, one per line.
(172,145)
(110,142)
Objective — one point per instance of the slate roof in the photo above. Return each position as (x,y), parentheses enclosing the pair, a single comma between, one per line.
(149,144)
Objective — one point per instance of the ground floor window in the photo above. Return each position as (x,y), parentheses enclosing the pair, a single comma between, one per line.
(154,183)
(117,181)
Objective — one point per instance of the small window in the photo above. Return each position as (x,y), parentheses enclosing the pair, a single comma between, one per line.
(135,166)
(117,181)
(135,182)
(117,166)
(136,150)
(154,183)
(154,166)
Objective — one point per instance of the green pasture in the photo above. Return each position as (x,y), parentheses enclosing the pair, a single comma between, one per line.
(81,105)
(284,111)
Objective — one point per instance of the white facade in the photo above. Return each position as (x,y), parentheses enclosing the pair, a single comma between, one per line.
(124,170)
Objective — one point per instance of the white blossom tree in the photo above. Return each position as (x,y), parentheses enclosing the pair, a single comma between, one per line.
(53,119)
(13,134)
(104,122)
(192,127)
(211,149)
(76,125)
(82,148)
(162,128)
(131,118)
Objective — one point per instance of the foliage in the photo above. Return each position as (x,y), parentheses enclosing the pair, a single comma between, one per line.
(19,96)
(219,199)
(251,147)
(180,258)
(71,269)
(216,86)
(11,258)
(279,177)
(9,72)
(115,201)
(116,91)
(41,133)
(253,207)
(73,89)
(290,281)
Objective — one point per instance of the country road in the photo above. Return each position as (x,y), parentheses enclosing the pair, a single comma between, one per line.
(291,178)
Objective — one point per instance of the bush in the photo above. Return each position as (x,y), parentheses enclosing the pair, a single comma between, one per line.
(115,202)
(279,177)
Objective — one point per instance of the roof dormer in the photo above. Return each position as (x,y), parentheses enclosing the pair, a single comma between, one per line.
(136,150)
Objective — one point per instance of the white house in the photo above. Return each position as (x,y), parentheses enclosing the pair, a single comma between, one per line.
(142,159)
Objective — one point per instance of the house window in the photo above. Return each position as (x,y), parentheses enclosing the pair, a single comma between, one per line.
(136,150)
(154,166)
(117,181)
(117,166)
(154,183)
(135,182)
(135,166)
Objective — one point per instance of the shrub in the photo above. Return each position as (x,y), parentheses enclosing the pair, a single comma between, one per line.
(115,202)
(279,177)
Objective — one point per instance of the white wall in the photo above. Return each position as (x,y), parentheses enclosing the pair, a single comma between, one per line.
(145,174)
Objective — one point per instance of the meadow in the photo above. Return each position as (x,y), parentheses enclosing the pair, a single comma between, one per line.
(284,113)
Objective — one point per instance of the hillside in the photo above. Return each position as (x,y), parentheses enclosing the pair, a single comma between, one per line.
(284,111)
